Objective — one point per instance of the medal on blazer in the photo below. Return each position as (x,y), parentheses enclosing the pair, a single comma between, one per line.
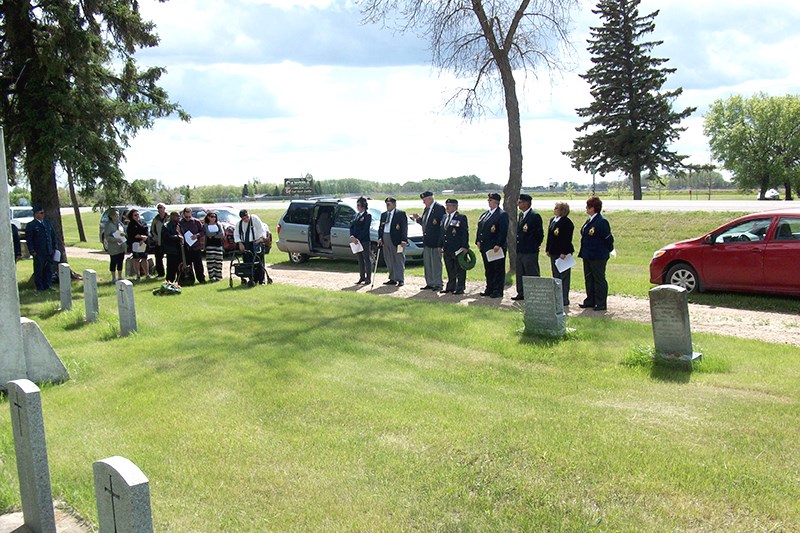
(525,228)
(555,232)
(397,227)
(435,222)
(493,229)
(454,232)
(591,232)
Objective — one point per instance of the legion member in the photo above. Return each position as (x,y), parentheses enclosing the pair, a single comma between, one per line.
(492,237)
(530,235)
(431,222)
(393,239)
(597,242)
(41,238)
(559,244)
(455,241)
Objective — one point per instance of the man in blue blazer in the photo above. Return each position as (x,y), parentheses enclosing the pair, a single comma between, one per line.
(597,243)
(41,237)
(393,238)
(431,222)
(455,241)
(493,236)
(530,234)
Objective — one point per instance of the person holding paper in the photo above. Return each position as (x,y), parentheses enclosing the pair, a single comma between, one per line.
(359,235)
(455,241)
(559,244)
(492,242)
(530,234)
(171,242)
(597,242)
(431,222)
(192,230)
(156,227)
(214,233)
(137,243)
(116,241)
(393,238)
(41,237)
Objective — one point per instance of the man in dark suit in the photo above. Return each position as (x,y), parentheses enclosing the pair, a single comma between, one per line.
(455,241)
(492,237)
(530,234)
(597,242)
(431,222)
(41,237)
(393,238)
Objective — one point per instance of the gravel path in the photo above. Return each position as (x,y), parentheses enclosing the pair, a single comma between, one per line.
(779,328)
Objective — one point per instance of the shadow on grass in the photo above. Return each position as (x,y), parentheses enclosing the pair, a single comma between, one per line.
(77,322)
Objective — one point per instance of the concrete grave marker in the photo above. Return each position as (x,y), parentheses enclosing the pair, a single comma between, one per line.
(90,300)
(127,309)
(544,307)
(672,333)
(65,286)
(123,497)
(31,451)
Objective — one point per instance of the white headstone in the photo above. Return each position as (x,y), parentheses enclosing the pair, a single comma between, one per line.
(123,497)
(65,286)
(12,356)
(30,446)
(672,333)
(544,307)
(43,364)
(127,309)
(90,300)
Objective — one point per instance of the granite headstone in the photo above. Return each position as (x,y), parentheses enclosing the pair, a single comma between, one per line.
(90,299)
(544,307)
(672,332)
(127,309)
(65,286)
(123,497)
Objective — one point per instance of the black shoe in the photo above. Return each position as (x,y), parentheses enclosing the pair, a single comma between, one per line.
(443,291)
(359,282)
(585,306)
(436,289)
(458,292)
(367,281)
(517,298)
(390,282)
(496,295)
(202,282)
(400,283)
(426,287)
(486,293)
(600,308)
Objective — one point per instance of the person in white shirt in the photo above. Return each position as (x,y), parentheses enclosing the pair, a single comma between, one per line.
(250,234)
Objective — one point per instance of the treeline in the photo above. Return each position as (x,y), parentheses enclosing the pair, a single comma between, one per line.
(356,186)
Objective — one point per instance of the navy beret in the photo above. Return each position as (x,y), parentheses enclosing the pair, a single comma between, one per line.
(494,196)
(525,197)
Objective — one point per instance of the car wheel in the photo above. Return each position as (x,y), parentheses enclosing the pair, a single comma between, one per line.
(685,276)
(297,257)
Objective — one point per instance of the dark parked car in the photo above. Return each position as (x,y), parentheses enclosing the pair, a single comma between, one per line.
(321,228)
(755,253)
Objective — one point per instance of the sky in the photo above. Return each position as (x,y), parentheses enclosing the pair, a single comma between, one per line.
(281,88)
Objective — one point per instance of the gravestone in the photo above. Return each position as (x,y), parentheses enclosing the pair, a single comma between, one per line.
(90,300)
(30,446)
(544,307)
(127,309)
(672,333)
(123,497)
(65,286)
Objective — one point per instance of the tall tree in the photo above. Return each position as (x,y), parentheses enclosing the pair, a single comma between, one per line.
(485,42)
(72,94)
(758,139)
(630,123)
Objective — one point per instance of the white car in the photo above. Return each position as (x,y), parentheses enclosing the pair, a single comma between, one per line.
(20,216)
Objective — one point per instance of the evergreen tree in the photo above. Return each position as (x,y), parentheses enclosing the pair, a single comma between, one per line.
(630,123)
(245,191)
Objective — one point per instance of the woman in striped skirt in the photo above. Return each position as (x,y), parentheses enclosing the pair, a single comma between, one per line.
(214,235)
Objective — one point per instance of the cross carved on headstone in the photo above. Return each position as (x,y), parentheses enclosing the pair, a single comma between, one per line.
(19,416)
(110,490)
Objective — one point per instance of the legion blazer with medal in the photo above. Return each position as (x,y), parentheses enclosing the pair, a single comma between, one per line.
(399,229)
(530,233)
(492,230)
(596,239)
(456,234)
(559,237)
(431,227)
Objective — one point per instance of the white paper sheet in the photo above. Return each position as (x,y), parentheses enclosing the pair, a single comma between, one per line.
(566,263)
(399,248)
(57,256)
(614,253)
(139,247)
(213,228)
(491,255)
(356,247)
(189,238)
(117,235)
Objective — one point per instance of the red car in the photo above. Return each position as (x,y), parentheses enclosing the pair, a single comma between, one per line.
(754,253)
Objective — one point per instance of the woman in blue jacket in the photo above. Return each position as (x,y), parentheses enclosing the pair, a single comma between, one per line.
(597,242)
(359,234)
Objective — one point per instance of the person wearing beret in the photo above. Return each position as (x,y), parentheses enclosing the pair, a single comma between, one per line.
(530,235)
(359,234)
(455,241)
(597,243)
(431,222)
(492,236)
(393,239)
(41,237)
(559,244)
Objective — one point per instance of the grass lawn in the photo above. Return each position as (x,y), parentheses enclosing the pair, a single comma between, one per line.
(279,408)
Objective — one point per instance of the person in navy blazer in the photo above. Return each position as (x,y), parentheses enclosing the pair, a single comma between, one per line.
(559,244)
(492,235)
(597,243)
(455,238)
(431,222)
(530,235)
(393,233)
(359,234)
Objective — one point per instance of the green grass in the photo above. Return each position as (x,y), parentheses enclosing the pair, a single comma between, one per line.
(279,408)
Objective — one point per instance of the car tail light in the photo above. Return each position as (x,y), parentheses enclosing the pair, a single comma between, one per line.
(279,230)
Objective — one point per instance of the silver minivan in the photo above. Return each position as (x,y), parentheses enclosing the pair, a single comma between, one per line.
(321,228)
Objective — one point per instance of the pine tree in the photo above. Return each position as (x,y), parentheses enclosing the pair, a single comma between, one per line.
(630,123)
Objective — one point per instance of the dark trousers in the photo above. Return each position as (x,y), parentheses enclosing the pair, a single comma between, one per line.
(563,276)
(173,260)
(42,275)
(365,264)
(159,260)
(495,274)
(527,265)
(594,272)
(456,276)
(195,259)
(258,259)
(115,262)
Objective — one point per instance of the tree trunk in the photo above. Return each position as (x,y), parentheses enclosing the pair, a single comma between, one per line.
(75,207)
(636,182)
(514,184)
(788,187)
